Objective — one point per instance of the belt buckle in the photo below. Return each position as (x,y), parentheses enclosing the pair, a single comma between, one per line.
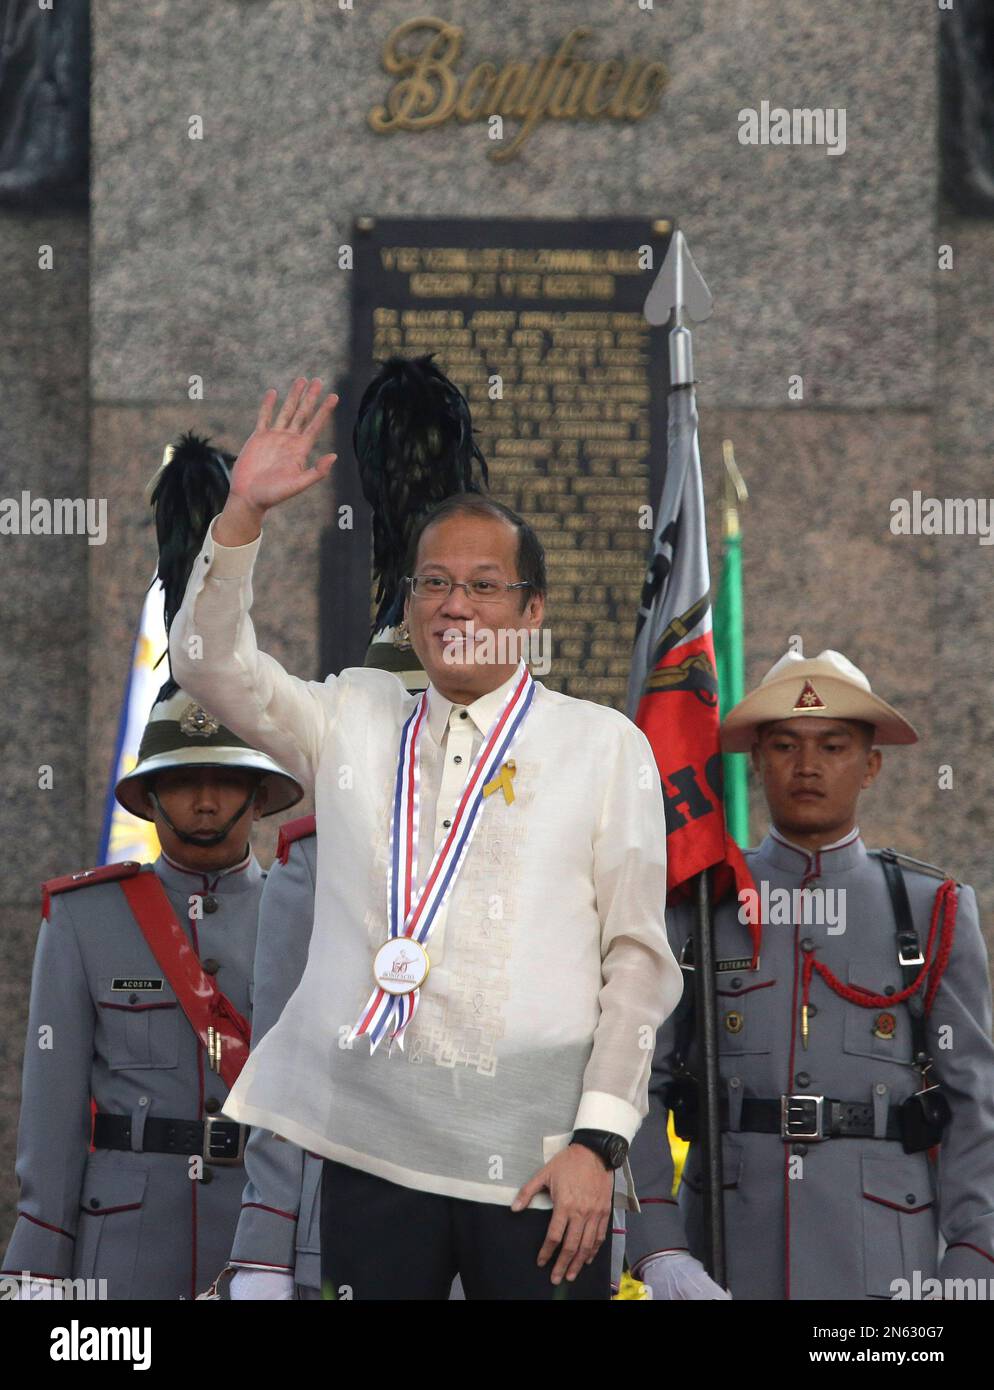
(801,1117)
(910,955)
(223,1159)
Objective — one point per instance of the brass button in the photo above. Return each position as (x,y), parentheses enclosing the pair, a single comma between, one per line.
(211,903)
(95,1202)
(211,966)
(802,1079)
(212,1105)
(800,1150)
(807,944)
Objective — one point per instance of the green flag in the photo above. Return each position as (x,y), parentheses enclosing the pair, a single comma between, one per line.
(730,658)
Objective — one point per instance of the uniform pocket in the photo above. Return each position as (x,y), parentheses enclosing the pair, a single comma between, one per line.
(109,1227)
(877,1032)
(731,1166)
(140,1034)
(899,1224)
(745,1020)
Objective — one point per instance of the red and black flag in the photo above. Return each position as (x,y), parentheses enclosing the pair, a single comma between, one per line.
(673,692)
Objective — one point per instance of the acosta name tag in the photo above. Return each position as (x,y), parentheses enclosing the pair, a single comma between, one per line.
(138,982)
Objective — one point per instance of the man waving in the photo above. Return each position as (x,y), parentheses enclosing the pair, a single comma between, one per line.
(489,908)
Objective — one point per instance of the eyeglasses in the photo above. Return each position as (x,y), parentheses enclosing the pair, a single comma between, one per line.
(479,590)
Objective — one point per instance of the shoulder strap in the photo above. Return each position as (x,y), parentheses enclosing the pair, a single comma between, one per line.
(293,830)
(215,1020)
(68,883)
(909,951)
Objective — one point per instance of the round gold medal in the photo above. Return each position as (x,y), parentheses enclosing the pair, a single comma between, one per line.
(400,965)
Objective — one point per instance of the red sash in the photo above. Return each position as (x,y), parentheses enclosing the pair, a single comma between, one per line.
(199,997)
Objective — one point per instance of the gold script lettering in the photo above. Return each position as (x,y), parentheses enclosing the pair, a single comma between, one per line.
(428,92)
(428,96)
(482,75)
(608,71)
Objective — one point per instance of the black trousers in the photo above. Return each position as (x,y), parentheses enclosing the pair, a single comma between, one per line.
(383,1241)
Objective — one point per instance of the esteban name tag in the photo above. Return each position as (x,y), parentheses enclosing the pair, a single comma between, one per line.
(138,982)
(721,967)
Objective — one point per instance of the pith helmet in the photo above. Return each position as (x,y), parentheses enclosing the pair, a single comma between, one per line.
(827,685)
(181,733)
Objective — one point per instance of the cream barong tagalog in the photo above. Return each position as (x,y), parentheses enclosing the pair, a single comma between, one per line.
(550,968)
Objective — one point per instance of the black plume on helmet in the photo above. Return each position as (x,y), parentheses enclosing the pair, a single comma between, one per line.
(413,441)
(189,492)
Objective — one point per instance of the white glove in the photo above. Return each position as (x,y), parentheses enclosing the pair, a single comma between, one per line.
(677,1276)
(262,1283)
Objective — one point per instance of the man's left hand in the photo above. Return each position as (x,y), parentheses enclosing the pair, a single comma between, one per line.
(581,1189)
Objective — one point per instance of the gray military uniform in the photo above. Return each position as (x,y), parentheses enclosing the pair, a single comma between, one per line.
(119,1036)
(279,1225)
(853,1214)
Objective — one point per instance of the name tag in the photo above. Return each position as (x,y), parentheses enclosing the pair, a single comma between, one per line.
(721,967)
(737,963)
(137,983)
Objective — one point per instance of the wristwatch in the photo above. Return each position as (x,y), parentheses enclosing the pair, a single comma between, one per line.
(610,1148)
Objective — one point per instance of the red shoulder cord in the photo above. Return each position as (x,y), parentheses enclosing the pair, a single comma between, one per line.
(933,967)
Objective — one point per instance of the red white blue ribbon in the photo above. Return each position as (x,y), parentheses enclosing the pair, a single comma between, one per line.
(415,916)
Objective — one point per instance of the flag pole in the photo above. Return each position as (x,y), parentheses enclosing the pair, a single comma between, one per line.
(680,288)
(728,644)
(708,1106)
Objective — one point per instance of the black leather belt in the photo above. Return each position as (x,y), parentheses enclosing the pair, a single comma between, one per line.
(813,1118)
(217,1141)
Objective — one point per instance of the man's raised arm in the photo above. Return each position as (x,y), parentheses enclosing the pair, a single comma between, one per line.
(212,648)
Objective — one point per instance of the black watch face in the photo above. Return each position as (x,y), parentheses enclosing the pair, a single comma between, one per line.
(615,1151)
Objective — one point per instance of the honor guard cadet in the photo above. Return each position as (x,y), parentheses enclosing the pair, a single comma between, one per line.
(278,1237)
(142,988)
(854,1027)
(138,1027)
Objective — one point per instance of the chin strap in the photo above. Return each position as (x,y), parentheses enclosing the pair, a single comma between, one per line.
(216,836)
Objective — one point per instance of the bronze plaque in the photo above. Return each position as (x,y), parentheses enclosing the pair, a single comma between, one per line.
(540,325)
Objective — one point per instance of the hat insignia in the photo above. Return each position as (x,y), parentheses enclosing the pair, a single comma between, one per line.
(809,698)
(195,722)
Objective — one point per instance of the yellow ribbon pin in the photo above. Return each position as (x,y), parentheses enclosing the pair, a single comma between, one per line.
(502,782)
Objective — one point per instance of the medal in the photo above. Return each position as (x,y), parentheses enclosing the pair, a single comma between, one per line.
(401,964)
